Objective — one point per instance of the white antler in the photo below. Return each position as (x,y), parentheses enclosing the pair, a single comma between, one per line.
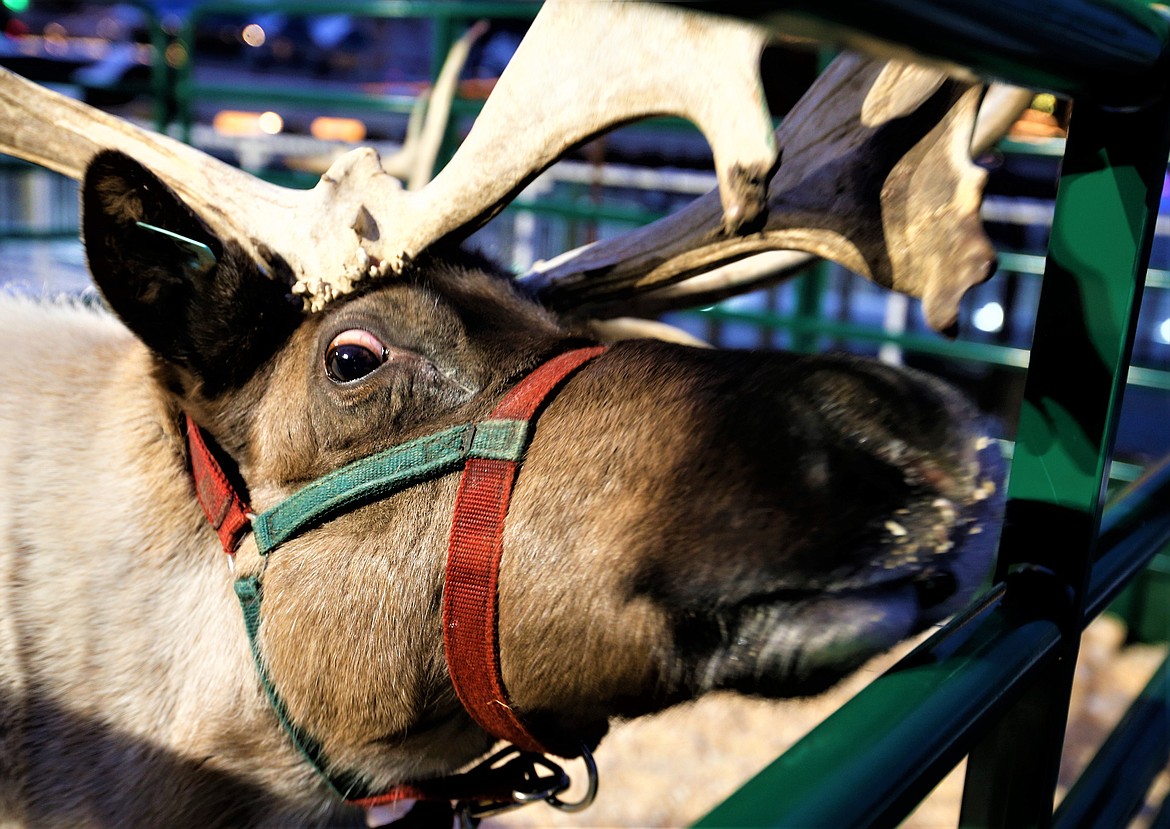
(875,170)
(584,68)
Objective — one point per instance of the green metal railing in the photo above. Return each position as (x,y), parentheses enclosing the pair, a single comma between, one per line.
(449,20)
(995,683)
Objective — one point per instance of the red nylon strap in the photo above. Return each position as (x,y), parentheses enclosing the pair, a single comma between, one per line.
(402,791)
(222,506)
(470,609)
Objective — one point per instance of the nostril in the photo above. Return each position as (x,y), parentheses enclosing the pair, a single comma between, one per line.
(934,588)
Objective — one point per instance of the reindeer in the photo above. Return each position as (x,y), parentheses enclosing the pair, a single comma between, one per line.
(323,506)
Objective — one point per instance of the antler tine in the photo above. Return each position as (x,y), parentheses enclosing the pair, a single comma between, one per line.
(759,270)
(1002,105)
(415,162)
(876,175)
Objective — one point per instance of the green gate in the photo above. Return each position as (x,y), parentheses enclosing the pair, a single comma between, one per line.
(995,682)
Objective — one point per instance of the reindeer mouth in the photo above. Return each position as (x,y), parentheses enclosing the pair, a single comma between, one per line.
(796,643)
(923,565)
(800,643)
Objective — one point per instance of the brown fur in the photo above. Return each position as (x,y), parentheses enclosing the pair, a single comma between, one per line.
(685,520)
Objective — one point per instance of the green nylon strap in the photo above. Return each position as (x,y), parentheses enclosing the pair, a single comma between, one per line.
(387,472)
(248,591)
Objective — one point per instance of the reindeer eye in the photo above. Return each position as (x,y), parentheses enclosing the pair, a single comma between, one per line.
(352,355)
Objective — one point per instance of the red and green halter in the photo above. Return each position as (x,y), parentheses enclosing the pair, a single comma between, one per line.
(490,453)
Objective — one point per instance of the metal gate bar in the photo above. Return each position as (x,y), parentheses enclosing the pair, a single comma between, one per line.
(1134,526)
(1110,50)
(1106,207)
(1115,784)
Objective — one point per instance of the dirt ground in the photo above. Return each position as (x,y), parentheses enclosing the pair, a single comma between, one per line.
(669,770)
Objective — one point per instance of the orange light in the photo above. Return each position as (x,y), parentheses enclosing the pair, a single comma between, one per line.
(325,128)
(176,55)
(239,123)
(234,122)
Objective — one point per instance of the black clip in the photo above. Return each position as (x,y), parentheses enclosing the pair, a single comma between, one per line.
(522,777)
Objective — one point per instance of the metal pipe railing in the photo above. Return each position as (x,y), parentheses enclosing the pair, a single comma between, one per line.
(1112,51)
(1114,786)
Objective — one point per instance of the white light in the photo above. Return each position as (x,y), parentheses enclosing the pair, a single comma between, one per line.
(989,318)
(253,35)
(271,123)
(1164,331)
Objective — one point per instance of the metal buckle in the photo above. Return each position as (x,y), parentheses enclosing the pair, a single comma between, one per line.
(466,442)
(532,777)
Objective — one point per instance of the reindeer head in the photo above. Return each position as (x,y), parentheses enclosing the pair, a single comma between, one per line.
(685,519)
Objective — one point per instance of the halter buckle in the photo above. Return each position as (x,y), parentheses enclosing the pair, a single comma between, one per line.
(531,777)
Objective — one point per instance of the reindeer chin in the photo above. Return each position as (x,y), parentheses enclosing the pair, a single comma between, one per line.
(924,567)
(799,648)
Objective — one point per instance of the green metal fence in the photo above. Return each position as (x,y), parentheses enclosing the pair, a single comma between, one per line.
(995,683)
(448,21)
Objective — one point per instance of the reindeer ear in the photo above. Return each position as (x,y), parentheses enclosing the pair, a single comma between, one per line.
(196,300)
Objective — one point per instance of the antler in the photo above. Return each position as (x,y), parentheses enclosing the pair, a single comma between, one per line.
(884,146)
(359,222)
(876,174)
(633,293)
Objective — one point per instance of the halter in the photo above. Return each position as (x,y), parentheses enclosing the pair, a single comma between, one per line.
(490,453)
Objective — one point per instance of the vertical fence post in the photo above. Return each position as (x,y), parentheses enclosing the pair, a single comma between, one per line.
(1106,208)
(810,297)
(182,79)
(160,71)
(445,34)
